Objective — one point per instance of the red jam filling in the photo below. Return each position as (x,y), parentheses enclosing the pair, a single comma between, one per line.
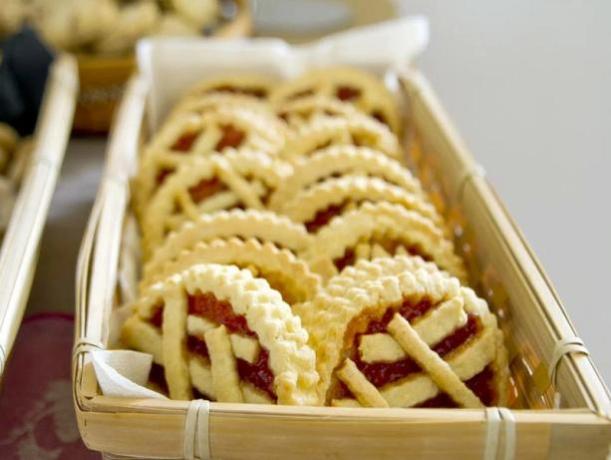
(480,384)
(232,137)
(197,346)
(381,374)
(162,175)
(258,373)
(157,318)
(380,117)
(206,188)
(208,306)
(323,217)
(347,93)
(348,259)
(157,376)
(185,142)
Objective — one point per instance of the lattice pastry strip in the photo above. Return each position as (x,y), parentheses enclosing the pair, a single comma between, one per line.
(252,85)
(355,318)
(339,160)
(323,131)
(380,230)
(229,335)
(283,271)
(213,101)
(206,185)
(316,206)
(263,225)
(363,90)
(299,111)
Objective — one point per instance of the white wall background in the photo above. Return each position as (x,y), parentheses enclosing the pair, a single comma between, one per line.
(528,84)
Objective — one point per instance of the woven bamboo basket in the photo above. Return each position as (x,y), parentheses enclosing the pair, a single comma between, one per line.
(501,266)
(103,78)
(20,246)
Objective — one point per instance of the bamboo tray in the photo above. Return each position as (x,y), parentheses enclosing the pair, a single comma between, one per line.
(103,78)
(502,267)
(19,248)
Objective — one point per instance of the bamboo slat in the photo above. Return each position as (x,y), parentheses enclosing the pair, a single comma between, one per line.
(20,246)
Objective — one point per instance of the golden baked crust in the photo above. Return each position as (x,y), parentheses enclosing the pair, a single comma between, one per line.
(349,303)
(299,111)
(340,160)
(209,184)
(211,102)
(252,85)
(380,230)
(262,225)
(283,271)
(345,192)
(324,130)
(277,330)
(365,91)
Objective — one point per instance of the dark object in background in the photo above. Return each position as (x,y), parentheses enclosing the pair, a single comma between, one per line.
(24,66)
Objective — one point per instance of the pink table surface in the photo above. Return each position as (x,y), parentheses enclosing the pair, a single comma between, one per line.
(36,412)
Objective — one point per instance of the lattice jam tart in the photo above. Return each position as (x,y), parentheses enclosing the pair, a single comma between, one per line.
(323,131)
(284,272)
(264,226)
(339,160)
(236,179)
(365,91)
(380,230)
(224,335)
(317,205)
(412,339)
(190,135)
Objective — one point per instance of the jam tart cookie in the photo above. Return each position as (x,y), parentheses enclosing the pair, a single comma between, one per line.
(414,339)
(338,160)
(323,131)
(200,185)
(317,205)
(194,135)
(265,226)
(253,85)
(363,90)
(227,334)
(284,272)
(380,230)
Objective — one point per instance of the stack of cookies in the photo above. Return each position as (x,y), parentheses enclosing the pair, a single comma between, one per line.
(290,256)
